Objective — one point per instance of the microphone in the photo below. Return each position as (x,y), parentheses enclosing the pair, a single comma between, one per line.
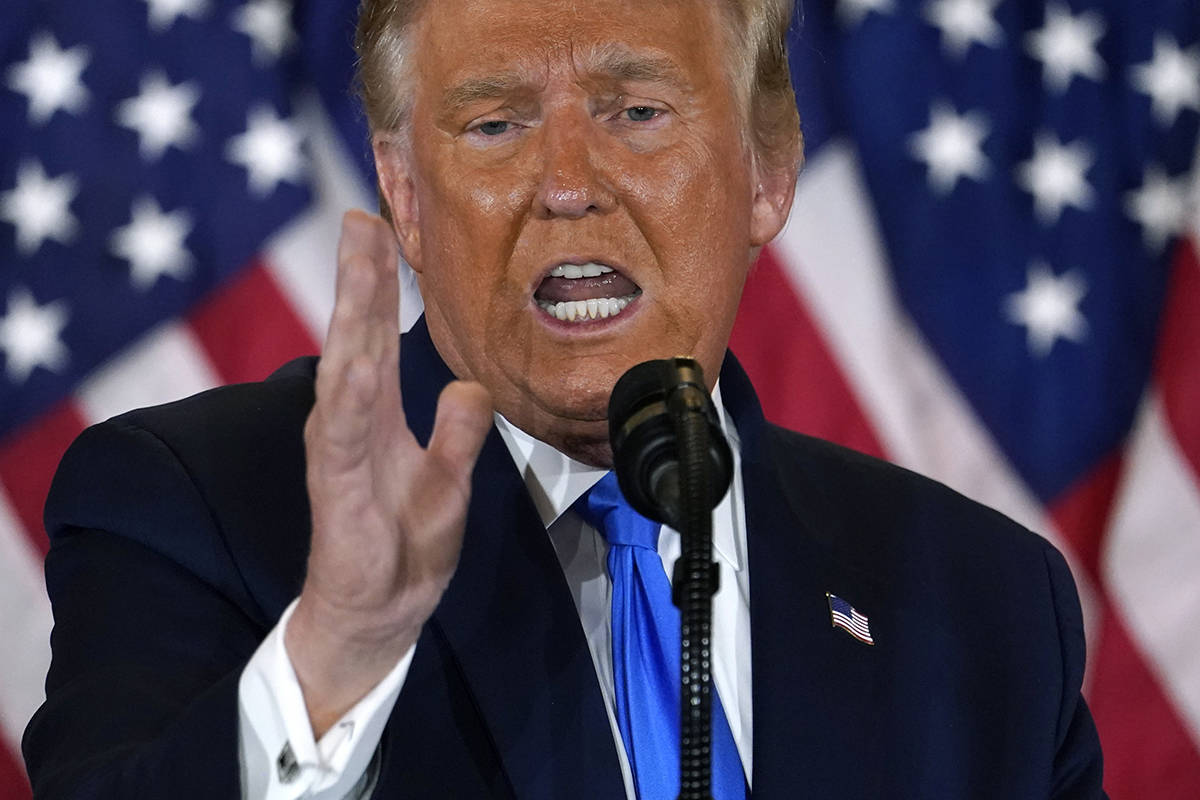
(658,414)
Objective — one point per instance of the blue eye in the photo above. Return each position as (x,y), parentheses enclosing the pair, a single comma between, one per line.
(641,113)
(493,127)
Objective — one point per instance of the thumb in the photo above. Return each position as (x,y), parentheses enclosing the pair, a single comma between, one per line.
(464,417)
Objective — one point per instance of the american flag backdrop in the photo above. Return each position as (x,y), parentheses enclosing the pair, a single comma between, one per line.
(991,275)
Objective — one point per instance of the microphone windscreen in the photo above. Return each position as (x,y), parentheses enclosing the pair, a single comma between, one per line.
(643,410)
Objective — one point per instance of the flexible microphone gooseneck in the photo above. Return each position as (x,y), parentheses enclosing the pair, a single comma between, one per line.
(674,465)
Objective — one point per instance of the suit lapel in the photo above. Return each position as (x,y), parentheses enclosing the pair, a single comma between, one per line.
(510,620)
(814,686)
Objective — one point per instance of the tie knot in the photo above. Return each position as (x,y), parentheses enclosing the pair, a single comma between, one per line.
(605,509)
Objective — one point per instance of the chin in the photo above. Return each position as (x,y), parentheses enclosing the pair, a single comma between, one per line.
(574,388)
(589,451)
(585,412)
(568,415)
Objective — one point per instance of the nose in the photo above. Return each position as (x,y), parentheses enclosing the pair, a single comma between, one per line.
(573,184)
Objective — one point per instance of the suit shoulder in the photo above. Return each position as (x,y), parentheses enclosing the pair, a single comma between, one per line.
(265,408)
(229,429)
(924,546)
(886,505)
(200,480)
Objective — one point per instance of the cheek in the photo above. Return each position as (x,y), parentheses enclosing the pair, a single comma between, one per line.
(468,247)
(471,227)
(496,196)
(677,196)
(698,233)
(466,202)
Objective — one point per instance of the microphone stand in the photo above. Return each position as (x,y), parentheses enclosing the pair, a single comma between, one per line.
(673,465)
(693,585)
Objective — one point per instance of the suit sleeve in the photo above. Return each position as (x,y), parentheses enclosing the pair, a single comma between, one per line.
(153,627)
(1078,762)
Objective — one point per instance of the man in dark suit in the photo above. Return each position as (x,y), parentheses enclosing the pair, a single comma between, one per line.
(320,586)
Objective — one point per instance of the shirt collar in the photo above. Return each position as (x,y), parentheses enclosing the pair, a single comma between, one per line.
(555,480)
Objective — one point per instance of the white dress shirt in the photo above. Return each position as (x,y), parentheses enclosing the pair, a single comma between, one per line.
(280,759)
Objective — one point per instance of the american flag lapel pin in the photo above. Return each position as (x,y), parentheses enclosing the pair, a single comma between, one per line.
(850,619)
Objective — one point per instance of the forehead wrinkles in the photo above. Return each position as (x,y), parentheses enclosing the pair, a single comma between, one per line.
(607,64)
(591,32)
(511,54)
(619,62)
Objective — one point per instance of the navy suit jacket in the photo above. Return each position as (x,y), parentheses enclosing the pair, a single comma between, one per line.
(180,533)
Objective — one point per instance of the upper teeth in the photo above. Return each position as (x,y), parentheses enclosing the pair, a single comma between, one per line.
(589,270)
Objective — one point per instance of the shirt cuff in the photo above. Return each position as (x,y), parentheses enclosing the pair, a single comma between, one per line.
(280,759)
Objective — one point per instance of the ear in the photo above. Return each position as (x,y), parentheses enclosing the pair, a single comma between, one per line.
(393,165)
(773,193)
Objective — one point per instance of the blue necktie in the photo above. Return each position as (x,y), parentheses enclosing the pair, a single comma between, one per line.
(645,650)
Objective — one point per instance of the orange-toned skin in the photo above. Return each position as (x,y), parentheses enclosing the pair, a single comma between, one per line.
(674,201)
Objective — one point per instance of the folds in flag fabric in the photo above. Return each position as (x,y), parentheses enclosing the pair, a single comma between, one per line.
(990,275)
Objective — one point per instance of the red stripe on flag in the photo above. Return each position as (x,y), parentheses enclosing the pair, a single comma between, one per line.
(13,783)
(1178,366)
(799,383)
(1081,515)
(28,460)
(248,327)
(1148,751)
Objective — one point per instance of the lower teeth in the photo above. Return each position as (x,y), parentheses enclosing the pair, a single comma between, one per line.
(584,310)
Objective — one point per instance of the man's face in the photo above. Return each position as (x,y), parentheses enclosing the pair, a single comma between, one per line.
(553,139)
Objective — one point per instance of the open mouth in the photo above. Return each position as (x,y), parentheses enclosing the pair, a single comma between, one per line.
(585,292)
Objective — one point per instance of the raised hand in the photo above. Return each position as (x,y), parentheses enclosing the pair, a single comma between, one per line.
(388,515)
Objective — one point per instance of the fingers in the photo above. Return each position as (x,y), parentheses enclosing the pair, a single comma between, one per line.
(464,417)
(357,379)
(367,306)
(387,518)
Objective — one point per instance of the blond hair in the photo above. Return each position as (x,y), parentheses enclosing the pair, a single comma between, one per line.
(758,31)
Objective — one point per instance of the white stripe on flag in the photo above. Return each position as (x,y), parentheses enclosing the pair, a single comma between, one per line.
(854,622)
(164,365)
(1152,559)
(24,628)
(303,255)
(832,250)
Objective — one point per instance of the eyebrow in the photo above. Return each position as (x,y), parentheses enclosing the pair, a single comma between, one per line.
(610,63)
(476,90)
(618,62)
